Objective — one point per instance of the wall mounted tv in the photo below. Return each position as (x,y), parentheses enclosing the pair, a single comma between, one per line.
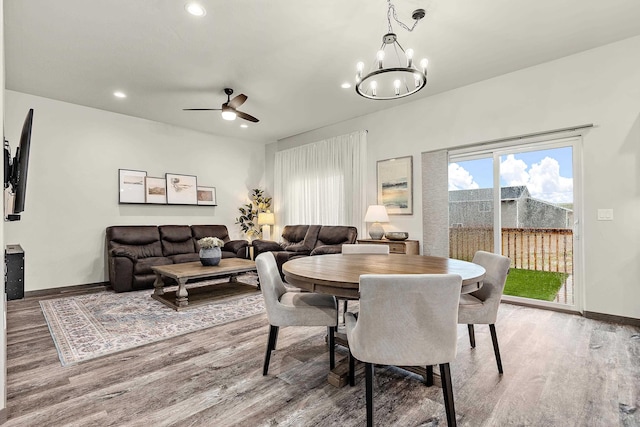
(15,172)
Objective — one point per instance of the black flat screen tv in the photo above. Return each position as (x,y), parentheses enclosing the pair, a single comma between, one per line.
(16,173)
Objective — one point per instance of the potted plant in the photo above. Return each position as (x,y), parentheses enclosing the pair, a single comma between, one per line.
(210,252)
(248,219)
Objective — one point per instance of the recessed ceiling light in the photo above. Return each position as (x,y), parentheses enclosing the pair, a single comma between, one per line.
(244,126)
(195,9)
(119,94)
(345,85)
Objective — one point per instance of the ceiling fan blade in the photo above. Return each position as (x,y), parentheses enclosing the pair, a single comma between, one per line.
(237,101)
(246,116)
(201,109)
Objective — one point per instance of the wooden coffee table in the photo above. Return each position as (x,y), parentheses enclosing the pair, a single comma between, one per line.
(181,273)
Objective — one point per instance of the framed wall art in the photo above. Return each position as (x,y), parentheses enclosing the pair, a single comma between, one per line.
(131,186)
(395,185)
(155,190)
(181,189)
(207,196)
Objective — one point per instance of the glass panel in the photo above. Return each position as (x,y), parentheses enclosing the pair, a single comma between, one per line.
(537,223)
(471,213)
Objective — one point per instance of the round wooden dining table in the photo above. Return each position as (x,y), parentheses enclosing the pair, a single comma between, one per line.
(339,274)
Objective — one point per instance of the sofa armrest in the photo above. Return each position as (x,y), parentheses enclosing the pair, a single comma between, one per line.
(238,247)
(123,252)
(261,246)
(327,249)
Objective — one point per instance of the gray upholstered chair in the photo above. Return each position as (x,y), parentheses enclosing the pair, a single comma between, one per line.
(481,306)
(365,248)
(406,320)
(292,308)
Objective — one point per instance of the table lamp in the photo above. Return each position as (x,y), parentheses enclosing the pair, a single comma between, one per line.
(376,214)
(266,220)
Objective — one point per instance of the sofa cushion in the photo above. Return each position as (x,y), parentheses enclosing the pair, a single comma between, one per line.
(200,231)
(143,265)
(336,235)
(307,244)
(176,239)
(180,258)
(139,241)
(294,234)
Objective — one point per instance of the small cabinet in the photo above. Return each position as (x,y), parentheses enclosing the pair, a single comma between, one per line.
(407,247)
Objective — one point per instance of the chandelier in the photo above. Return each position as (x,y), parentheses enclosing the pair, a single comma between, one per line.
(393,74)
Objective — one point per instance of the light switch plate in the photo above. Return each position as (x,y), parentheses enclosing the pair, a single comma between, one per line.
(605,214)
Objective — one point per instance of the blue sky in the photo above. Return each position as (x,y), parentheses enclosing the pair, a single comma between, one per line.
(547,173)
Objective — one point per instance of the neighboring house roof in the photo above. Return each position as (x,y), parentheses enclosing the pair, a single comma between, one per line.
(506,193)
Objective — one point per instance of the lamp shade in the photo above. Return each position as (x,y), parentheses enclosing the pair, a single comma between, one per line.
(376,213)
(266,218)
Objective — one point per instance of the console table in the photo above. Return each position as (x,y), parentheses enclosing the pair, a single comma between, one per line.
(407,247)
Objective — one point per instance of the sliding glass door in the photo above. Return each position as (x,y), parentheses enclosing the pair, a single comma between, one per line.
(520,202)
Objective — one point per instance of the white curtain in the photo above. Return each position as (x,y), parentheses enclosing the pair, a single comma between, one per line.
(322,183)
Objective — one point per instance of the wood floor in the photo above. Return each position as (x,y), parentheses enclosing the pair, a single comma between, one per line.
(560,370)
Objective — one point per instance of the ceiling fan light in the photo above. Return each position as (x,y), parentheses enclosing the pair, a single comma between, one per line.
(229,115)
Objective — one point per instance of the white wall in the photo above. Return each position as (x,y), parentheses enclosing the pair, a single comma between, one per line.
(3,307)
(72,186)
(600,86)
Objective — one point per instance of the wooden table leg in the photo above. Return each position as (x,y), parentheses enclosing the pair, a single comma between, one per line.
(158,285)
(182,296)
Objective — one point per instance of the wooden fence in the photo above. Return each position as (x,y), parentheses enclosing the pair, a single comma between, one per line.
(545,249)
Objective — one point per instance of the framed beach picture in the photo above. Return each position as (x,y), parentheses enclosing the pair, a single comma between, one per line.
(395,185)
(207,196)
(181,189)
(131,186)
(156,190)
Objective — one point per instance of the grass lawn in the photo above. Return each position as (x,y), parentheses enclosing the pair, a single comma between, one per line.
(540,285)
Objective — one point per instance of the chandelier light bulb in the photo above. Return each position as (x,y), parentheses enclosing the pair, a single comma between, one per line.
(423,64)
(360,68)
(409,54)
(417,78)
(374,87)
(380,57)
(396,86)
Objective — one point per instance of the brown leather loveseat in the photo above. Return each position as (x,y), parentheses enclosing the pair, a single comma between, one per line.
(133,249)
(307,240)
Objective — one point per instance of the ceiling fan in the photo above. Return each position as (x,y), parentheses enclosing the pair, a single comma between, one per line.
(229,108)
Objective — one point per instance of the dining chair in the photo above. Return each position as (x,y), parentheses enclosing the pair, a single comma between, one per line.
(481,306)
(364,248)
(406,320)
(292,308)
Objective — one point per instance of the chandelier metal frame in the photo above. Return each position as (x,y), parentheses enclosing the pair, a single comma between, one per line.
(407,78)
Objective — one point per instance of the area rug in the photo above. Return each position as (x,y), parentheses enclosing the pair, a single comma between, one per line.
(88,326)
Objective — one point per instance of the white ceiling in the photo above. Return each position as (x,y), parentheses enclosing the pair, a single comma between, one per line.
(289,57)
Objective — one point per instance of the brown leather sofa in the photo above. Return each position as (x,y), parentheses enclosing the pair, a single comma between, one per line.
(307,240)
(133,249)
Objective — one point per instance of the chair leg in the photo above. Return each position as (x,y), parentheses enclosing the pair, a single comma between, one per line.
(331,332)
(271,345)
(368,370)
(352,370)
(447,391)
(472,336)
(496,349)
(428,379)
(344,311)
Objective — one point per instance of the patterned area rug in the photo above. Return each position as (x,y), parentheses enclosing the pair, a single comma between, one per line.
(85,327)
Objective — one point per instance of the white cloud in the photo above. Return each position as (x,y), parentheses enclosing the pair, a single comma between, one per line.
(513,171)
(542,179)
(460,178)
(546,183)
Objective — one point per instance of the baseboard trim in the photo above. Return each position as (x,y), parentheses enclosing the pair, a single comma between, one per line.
(611,318)
(58,292)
